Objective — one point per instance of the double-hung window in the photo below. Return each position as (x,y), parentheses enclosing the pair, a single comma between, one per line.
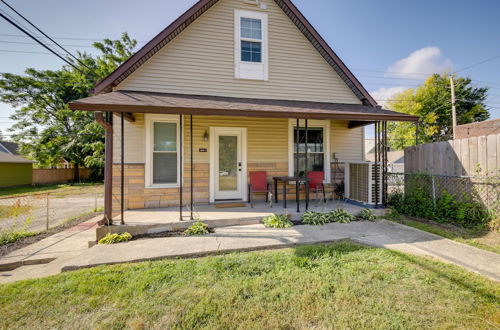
(314,140)
(251,45)
(162,147)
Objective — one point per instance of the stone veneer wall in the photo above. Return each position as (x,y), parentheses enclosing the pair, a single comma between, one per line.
(139,197)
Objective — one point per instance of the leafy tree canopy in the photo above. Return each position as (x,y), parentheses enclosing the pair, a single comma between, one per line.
(46,129)
(431,101)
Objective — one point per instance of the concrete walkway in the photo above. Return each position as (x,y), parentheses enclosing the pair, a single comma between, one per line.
(253,237)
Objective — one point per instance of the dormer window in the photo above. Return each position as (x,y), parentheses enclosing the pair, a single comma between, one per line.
(251,45)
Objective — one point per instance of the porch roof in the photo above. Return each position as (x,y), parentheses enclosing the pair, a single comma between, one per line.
(152,102)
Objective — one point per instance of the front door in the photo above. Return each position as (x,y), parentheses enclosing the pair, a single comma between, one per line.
(228,164)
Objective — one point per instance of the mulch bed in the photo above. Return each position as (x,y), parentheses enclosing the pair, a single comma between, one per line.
(166,234)
(25,241)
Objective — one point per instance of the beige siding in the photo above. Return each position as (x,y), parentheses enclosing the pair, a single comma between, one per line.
(267,139)
(201,61)
(346,143)
(134,140)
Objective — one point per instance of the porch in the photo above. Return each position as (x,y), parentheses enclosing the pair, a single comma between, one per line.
(205,148)
(151,221)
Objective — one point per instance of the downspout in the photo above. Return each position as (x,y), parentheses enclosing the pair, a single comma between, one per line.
(108,166)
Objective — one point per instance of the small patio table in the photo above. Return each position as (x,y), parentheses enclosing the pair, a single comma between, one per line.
(298,181)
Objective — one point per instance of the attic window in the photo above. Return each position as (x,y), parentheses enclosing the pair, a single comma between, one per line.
(251,45)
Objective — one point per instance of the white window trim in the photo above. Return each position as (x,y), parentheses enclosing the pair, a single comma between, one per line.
(148,171)
(249,70)
(325,124)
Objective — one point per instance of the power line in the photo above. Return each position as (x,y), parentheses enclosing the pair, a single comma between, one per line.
(44,34)
(34,43)
(40,42)
(60,38)
(23,52)
(478,63)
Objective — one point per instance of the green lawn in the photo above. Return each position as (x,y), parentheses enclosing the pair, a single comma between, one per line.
(21,190)
(480,238)
(324,286)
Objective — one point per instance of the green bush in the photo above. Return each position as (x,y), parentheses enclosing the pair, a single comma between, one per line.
(277,221)
(115,238)
(449,208)
(341,216)
(198,228)
(315,218)
(367,214)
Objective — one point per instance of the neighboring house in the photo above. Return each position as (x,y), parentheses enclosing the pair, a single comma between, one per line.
(15,170)
(395,159)
(483,128)
(9,147)
(231,78)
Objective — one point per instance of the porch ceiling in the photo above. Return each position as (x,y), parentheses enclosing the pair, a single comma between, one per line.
(150,102)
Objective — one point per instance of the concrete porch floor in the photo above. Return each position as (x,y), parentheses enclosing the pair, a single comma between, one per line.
(148,221)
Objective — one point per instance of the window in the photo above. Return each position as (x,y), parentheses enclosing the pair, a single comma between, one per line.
(315,150)
(251,40)
(162,147)
(318,147)
(251,45)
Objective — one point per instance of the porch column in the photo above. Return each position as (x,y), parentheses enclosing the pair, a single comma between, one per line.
(122,179)
(306,134)
(377,153)
(181,172)
(192,164)
(107,124)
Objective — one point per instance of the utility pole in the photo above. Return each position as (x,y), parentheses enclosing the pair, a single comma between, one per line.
(453,107)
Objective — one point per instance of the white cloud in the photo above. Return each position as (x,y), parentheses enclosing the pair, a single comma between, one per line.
(425,60)
(382,94)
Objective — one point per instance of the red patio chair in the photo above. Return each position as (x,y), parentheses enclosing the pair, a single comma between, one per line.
(258,184)
(316,179)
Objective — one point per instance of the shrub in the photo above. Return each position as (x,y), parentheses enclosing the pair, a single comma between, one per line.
(367,214)
(341,216)
(277,221)
(315,218)
(115,238)
(197,228)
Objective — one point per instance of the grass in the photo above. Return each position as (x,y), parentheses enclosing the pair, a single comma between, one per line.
(22,190)
(480,238)
(13,236)
(343,285)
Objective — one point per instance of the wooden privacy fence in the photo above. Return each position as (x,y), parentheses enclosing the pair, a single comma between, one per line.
(465,157)
(58,175)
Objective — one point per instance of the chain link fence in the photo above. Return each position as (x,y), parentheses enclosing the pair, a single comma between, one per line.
(41,211)
(460,199)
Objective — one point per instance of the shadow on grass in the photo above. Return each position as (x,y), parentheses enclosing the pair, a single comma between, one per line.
(328,250)
(465,281)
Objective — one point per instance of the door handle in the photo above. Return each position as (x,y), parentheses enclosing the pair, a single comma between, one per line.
(239,164)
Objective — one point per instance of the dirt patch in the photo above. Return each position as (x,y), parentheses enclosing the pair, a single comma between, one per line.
(9,247)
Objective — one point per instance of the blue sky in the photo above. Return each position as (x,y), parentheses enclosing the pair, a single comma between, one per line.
(374,38)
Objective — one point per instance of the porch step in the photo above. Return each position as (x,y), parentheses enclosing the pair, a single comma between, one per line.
(229,205)
(154,228)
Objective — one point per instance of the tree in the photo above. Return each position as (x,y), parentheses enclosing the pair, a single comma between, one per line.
(46,129)
(431,101)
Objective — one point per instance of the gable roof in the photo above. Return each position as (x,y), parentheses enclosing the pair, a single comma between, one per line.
(174,29)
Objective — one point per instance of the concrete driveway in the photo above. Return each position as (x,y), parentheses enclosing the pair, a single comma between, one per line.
(381,233)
